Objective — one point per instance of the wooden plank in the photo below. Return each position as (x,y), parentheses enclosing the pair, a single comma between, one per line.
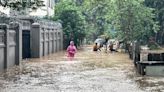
(153,51)
(151,62)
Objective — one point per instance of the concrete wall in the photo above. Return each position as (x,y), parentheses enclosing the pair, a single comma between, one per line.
(10,44)
(46,38)
(155,70)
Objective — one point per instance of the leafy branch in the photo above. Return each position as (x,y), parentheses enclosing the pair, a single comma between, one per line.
(22,4)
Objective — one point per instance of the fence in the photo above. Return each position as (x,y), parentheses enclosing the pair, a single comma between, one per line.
(22,38)
(10,44)
(46,38)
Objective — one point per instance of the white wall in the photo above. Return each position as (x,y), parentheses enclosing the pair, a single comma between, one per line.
(5,10)
(48,9)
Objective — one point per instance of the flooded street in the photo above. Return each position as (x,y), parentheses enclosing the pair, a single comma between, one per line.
(88,72)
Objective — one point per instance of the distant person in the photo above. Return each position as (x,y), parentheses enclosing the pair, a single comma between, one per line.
(116,46)
(105,43)
(111,47)
(71,50)
(96,47)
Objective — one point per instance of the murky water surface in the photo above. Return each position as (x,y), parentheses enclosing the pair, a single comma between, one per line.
(88,72)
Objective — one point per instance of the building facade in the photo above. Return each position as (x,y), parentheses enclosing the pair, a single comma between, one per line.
(5,10)
(47,10)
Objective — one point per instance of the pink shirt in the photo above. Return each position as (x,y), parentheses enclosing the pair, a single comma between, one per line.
(71,49)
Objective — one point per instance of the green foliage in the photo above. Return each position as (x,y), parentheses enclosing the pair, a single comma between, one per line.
(127,20)
(21,4)
(153,46)
(135,20)
(97,16)
(72,26)
(72,21)
(130,19)
(158,5)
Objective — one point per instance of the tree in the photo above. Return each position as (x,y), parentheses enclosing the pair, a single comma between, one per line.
(129,20)
(158,5)
(72,26)
(21,4)
(72,21)
(135,21)
(97,17)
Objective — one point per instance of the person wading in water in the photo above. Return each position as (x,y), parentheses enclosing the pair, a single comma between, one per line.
(96,47)
(71,50)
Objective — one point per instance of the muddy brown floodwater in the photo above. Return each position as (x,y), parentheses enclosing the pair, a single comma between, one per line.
(88,72)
